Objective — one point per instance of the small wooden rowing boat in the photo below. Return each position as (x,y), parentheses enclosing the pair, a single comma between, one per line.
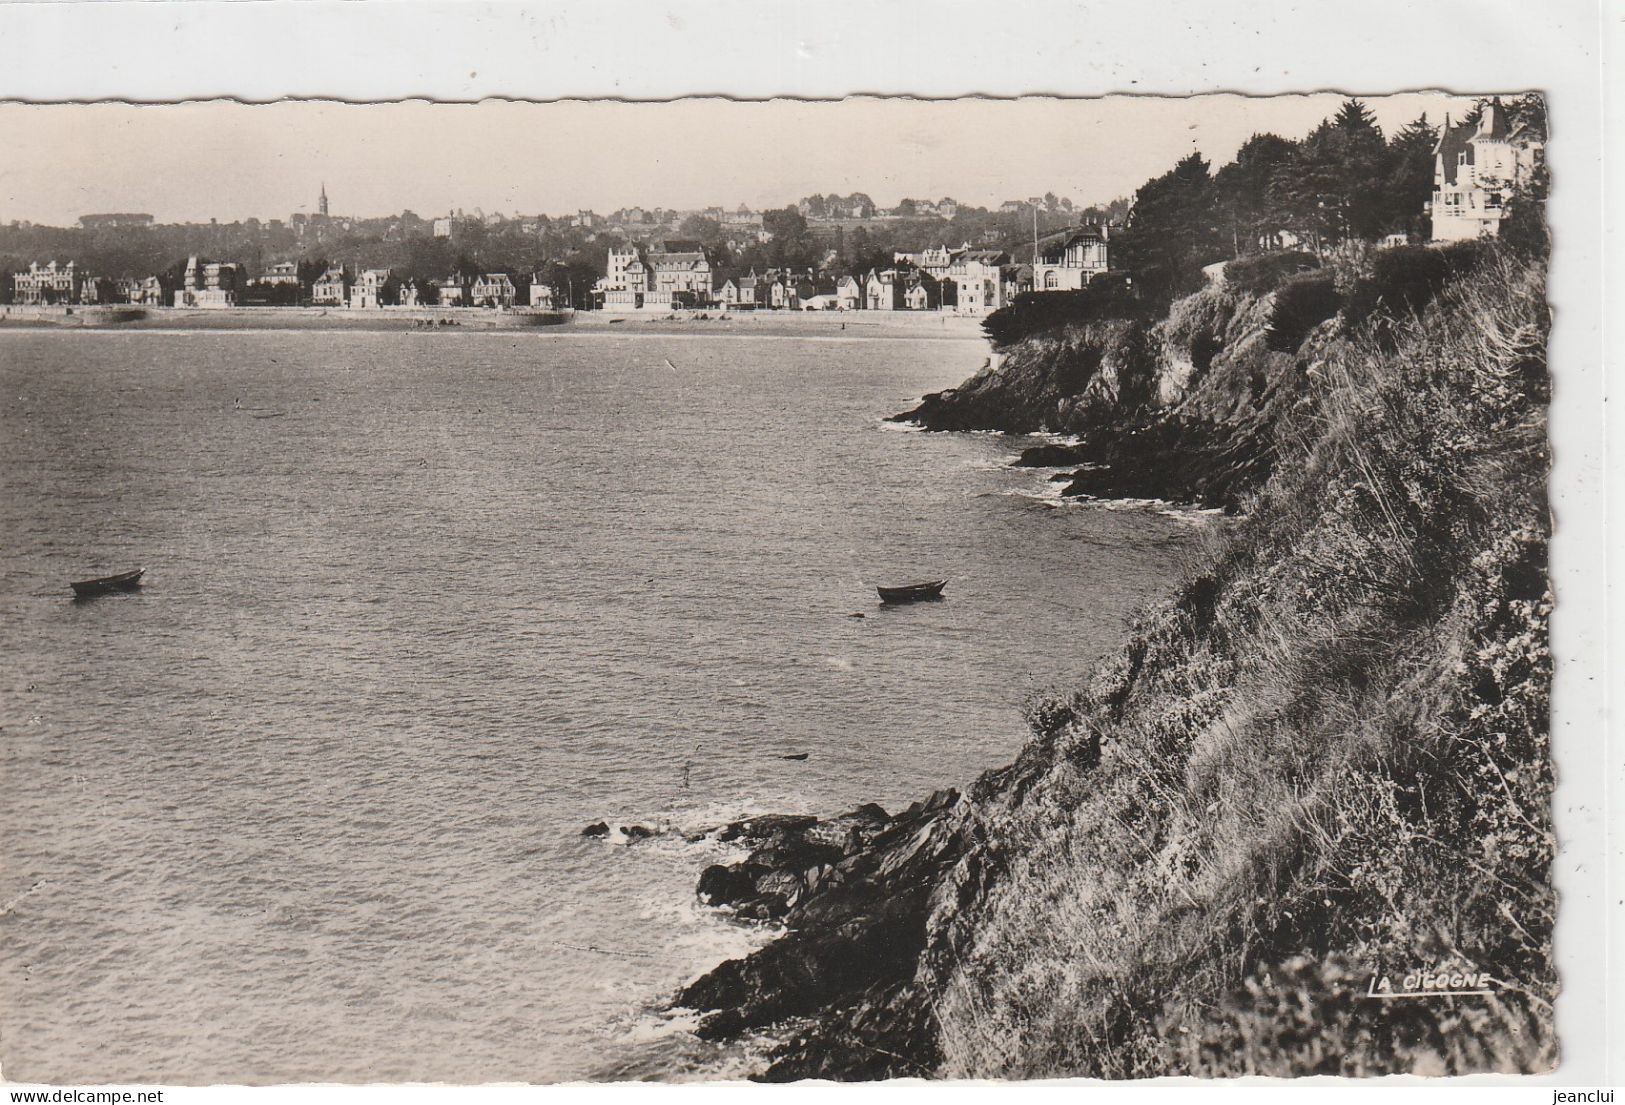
(124,581)
(914,592)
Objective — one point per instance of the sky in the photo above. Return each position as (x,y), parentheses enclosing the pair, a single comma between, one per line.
(230,161)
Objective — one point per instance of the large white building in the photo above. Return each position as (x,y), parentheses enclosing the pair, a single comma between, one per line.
(677,274)
(283,273)
(209,284)
(681,274)
(373,288)
(977,279)
(48,283)
(1475,168)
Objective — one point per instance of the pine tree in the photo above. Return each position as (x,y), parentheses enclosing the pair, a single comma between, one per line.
(1333,190)
(1244,188)
(1171,233)
(1355,118)
(1409,177)
(1363,155)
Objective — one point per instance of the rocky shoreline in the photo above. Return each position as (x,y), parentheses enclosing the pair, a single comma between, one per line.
(1144,453)
(842,989)
(1210,843)
(852,894)
(1182,408)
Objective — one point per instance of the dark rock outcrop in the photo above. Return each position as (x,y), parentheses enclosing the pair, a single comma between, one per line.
(853,893)
(1051,456)
(1183,409)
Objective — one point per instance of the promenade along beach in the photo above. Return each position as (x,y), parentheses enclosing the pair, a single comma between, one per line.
(765,322)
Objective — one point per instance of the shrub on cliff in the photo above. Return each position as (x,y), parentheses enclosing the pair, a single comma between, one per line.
(1262,273)
(1403,280)
(1524,230)
(1301,304)
(1108,296)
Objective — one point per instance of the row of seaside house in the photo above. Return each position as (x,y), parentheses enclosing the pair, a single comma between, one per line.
(224,284)
(680,274)
(667,276)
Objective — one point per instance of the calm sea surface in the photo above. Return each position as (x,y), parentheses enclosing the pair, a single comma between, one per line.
(421,606)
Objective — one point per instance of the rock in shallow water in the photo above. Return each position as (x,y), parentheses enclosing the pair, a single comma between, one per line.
(1051,456)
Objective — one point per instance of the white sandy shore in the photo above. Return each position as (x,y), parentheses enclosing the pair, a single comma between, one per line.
(849,324)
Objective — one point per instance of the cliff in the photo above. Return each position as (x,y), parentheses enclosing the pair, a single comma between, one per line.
(1179,408)
(1321,765)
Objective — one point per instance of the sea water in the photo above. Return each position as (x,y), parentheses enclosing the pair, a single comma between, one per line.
(419,607)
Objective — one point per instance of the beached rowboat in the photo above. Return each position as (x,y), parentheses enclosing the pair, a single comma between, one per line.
(914,592)
(124,581)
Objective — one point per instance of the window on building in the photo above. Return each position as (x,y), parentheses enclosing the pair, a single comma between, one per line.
(1050,281)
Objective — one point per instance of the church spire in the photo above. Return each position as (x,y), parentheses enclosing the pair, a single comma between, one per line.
(321,205)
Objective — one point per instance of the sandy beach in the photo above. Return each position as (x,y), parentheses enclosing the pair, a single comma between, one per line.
(856,324)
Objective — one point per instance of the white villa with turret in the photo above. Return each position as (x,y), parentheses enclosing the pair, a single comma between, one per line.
(1475,168)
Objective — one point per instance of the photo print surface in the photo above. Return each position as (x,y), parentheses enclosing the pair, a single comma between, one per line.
(857,589)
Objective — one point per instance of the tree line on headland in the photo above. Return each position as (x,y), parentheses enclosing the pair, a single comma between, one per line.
(1290,204)
(1342,182)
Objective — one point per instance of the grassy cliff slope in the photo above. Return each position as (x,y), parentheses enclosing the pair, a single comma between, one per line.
(1322,763)
(1325,761)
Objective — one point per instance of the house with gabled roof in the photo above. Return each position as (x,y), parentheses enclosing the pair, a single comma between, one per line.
(921,292)
(776,290)
(374,288)
(332,288)
(1476,166)
(1070,261)
(494,289)
(883,291)
(849,293)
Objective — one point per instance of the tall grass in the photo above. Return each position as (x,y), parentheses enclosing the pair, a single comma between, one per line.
(1324,762)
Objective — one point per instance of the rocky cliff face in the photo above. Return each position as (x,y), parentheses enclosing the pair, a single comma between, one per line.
(1180,409)
(1322,764)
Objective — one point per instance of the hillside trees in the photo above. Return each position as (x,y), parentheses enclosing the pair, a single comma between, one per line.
(791,244)
(1342,181)
(1245,187)
(1332,189)
(1409,178)
(1171,232)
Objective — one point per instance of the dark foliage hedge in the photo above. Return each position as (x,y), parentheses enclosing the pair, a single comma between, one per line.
(1107,296)
(1262,273)
(1405,279)
(1302,303)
